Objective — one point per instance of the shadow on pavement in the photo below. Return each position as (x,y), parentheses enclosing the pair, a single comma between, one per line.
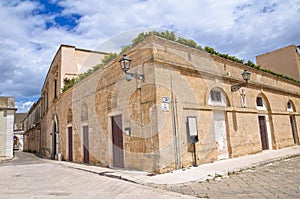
(21,158)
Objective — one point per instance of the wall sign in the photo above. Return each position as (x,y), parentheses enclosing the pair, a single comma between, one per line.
(165,100)
(165,105)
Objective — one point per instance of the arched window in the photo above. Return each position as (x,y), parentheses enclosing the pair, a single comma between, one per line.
(261,103)
(290,106)
(84,113)
(69,116)
(217,97)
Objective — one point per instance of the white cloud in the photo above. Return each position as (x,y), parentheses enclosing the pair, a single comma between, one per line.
(242,28)
(23,106)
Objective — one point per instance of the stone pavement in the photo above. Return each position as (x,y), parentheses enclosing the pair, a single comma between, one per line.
(30,177)
(278,176)
(280,179)
(200,173)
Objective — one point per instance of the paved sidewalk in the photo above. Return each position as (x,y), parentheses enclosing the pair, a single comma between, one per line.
(200,173)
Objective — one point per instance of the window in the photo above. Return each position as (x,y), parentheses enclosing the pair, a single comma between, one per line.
(289,105)
(55,89)
(46,101)
(259,102)
(215,96)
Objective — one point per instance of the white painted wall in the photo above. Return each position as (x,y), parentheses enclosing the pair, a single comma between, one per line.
(220,134)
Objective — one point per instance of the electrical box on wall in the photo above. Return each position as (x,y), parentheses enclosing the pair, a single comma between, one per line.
(192,128)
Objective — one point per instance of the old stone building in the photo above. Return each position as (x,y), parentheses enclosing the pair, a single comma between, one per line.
(68,62)
(150,123)
(7,111)
(285,61)
(19,131)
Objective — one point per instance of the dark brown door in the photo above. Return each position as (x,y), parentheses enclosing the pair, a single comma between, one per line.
(54,143)
(86,154)
(70,141)
(294,129)
(263,132)
(117,138)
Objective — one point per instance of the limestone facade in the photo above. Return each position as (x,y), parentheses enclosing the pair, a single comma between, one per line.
(7,111)
(106,120)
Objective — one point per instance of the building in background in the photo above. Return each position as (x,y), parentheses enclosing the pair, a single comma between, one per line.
(285,61)
(19,131)
(68,62)
(7,112)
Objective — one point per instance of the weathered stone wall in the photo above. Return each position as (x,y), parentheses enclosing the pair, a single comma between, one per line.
(189,75)
(155,136)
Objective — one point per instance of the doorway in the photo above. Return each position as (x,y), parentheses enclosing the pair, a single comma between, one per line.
(117,141)
(54,142)
(263,132)
(70,142)
(294,129)
(86,153)
(220,134)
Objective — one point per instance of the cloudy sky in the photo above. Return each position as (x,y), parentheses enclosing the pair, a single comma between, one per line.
(32,30)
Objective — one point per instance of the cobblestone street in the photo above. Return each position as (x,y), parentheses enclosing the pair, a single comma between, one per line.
(275,180)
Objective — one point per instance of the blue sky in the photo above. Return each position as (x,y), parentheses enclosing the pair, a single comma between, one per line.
(32,31)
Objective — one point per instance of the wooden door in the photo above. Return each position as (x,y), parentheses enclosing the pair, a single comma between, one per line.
(86,154)
(70,142)
(54,142)
(294,129)
(117,139)
(263,132)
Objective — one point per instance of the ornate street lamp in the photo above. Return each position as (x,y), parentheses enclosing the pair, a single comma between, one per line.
(125,65)
(246,76)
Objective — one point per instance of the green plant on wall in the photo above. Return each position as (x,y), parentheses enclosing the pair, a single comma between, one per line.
(68,83)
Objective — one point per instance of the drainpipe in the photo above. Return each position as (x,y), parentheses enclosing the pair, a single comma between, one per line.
(174,124)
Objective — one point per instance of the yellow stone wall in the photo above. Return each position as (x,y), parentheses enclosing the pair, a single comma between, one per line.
(186,76)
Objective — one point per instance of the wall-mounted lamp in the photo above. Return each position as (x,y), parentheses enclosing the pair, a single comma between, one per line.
(125,65)
(246,76)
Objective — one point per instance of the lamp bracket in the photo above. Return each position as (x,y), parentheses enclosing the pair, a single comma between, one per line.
(237,87)
(137,76)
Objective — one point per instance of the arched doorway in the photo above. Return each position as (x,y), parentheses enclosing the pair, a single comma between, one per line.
(217,98)
(291,108)
(16,142)
(264,122)
(54,137)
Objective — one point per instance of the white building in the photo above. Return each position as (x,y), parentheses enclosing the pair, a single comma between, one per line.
(7,112)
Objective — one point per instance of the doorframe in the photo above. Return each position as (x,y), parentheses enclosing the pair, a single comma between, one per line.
(84,124)
(109,136)
(293,123)
(268,130)
(68,143)
(55,139)
(111,145)
(226,132)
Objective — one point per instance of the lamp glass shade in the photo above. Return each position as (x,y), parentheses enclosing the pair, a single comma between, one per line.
(246,75)
(125,63)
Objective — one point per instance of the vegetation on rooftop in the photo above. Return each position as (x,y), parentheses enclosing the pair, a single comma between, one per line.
(68,83)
